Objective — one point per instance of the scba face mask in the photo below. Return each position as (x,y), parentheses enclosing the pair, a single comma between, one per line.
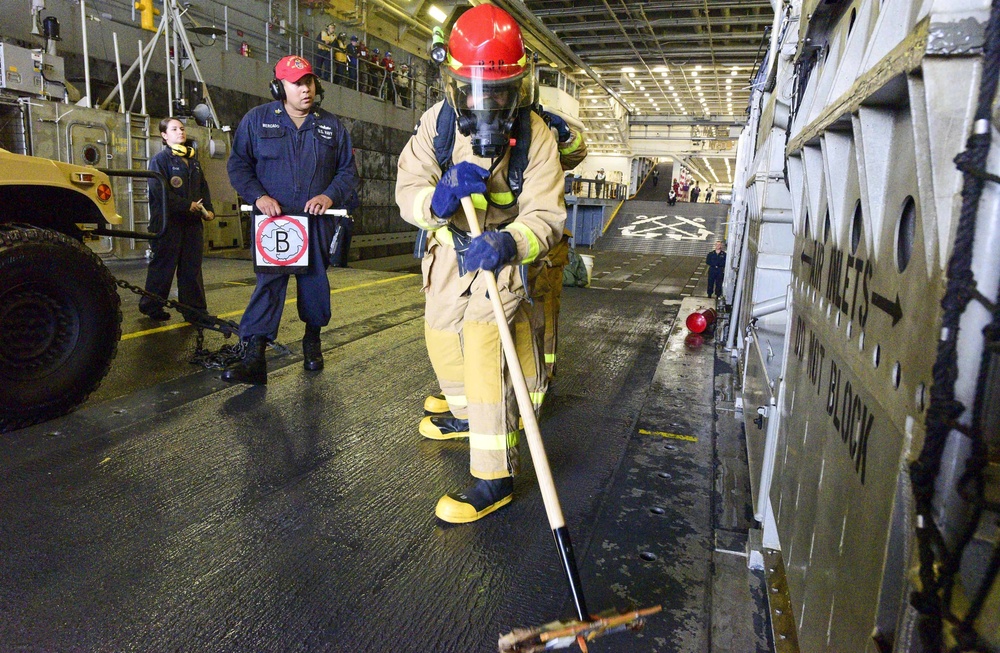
(486,111)
(487,77)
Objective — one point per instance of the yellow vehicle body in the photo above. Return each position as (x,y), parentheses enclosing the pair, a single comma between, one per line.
(44,181)
(60,313)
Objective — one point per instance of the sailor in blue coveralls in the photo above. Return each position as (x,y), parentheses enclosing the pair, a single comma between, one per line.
(188,204)
(716,261)
(290,156)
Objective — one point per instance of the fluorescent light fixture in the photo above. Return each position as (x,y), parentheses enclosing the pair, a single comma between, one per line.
(435,12)
(628,69)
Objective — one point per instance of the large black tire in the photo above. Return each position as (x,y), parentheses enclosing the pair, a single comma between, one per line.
(60,323)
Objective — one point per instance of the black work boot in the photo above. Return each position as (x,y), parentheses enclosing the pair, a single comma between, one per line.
(312,353)
(475,503)
(253,368)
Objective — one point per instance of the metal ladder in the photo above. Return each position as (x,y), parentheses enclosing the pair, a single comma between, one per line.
(138,159)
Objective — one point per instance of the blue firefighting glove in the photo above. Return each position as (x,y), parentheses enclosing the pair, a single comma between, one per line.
(557,123)
(490,250)
(462,180)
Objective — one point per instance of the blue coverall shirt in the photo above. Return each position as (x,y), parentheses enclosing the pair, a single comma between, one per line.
(273,157)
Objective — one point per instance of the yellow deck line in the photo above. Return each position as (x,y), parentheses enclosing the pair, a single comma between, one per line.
(171,327)
(672,436)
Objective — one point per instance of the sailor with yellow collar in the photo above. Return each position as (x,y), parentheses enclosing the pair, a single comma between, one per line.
(188,204)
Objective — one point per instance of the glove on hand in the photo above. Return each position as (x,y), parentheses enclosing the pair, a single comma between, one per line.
(461,180)
(490,251)
(557,123)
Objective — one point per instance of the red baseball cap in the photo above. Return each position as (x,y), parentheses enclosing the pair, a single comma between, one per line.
(293,68)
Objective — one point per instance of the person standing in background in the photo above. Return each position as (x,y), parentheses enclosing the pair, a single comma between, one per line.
(599,182)
(340,59)
(352,62)
(375,72)
(656,177)
(291,156)
(188,204)
(364,76)
(695,193)
(388,76)
(708,195)
(403,85)
(716,261)
(323,52)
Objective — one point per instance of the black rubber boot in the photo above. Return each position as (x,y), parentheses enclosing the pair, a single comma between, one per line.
(475,503)
(253,368)
(311,351)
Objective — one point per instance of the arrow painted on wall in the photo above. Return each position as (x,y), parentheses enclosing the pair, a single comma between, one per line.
(892,308)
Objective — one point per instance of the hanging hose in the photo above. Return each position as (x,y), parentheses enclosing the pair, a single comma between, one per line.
(939,564)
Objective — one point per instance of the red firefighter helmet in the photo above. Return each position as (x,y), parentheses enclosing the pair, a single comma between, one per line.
(486,44)
(487,77)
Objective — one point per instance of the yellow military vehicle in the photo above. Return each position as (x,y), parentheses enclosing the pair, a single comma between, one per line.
(60,314)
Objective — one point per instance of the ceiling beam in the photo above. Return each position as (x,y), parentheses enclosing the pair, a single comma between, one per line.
(752,39)
(649,7)
(608,25)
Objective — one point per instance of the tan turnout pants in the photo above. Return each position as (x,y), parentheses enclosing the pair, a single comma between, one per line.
(463,343)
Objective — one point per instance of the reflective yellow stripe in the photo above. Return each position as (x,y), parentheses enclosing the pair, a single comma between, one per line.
(418,211)
(493,442)
(534,247)
(502,198)
(457,400)
(444,237)
(573,146)
(537,398)
(550,358)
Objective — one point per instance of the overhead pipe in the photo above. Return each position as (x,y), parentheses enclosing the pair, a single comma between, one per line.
(403,16)
(118,69)
(769,306)
(86,50)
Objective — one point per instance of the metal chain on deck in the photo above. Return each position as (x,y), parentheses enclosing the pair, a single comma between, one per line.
(217,360)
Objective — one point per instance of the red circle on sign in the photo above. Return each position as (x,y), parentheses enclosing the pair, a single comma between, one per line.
(274,261)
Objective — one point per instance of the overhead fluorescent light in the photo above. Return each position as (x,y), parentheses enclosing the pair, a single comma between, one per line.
(435,12)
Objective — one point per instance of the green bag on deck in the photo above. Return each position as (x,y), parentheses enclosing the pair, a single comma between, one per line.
(575,272)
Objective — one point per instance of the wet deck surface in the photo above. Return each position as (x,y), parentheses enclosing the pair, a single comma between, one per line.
(174,512)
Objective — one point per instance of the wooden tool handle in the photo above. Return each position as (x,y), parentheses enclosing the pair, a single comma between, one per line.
(534,434)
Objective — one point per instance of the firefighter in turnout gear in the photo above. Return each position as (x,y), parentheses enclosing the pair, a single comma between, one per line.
(518,195)
(547,285)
